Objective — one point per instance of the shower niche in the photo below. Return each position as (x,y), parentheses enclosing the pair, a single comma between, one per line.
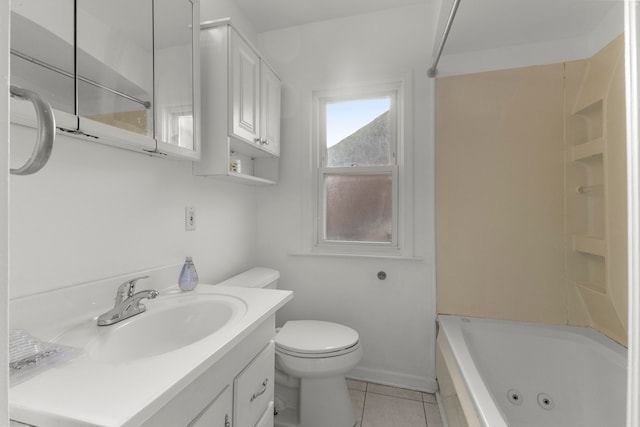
(586,196)
(595,187)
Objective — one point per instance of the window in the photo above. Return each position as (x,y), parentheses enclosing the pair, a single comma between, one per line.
(357,187)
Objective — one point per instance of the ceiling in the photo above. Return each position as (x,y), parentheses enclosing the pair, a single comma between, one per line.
(489,24)
(267,15)
(479,24)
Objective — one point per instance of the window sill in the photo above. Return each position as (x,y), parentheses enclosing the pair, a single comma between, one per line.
(353,255)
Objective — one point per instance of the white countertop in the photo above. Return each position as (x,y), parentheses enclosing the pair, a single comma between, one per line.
(85,392)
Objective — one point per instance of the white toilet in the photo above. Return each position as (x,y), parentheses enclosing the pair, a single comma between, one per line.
(312,358)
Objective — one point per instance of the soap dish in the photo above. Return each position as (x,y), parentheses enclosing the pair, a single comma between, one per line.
(29,356)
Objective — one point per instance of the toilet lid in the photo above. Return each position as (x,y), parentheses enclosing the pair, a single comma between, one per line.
(314,337)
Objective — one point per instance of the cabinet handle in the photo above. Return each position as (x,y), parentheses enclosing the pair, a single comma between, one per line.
(265,141)
(262,390)
(227,423)
(46,131)
(257,140)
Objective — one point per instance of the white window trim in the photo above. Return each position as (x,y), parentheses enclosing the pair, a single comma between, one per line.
(402,244)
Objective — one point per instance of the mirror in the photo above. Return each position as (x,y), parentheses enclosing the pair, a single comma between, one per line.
(115,63)
(42,53)
(95,60)
(173,26)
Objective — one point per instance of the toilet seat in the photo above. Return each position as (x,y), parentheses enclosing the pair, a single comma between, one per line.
(316,339)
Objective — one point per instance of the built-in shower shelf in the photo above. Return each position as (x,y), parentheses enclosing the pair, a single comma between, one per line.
(595,287)
(590,245)
(589,108)
(588,150)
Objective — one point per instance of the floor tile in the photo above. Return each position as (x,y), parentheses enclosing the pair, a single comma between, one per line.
(429,398)
(394,391)
(433,415)
(357,399)
(386,411)
(356,385)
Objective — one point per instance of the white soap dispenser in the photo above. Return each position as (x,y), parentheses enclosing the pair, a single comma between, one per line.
(188,276)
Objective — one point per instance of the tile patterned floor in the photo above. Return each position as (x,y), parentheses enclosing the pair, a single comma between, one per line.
(383,406)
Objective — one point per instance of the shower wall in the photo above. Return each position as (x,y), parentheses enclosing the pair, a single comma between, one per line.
(530,193)
(500,194)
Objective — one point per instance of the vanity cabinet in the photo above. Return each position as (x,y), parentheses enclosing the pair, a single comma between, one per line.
(236,391)
(241,102)
(119,72)
(253,389)
(217,413)
(251,401)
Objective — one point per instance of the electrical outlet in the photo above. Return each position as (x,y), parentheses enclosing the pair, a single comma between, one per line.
(189,218)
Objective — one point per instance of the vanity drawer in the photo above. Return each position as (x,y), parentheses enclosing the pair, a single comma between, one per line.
(253,389)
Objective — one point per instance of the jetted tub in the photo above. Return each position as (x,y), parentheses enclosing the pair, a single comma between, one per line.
(495,373)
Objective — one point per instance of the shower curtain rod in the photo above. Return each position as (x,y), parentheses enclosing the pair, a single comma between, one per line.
(433,71)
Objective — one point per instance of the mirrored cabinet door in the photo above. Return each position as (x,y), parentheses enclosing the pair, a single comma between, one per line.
(93,61)
(42,53)
(176,101)
(115,63)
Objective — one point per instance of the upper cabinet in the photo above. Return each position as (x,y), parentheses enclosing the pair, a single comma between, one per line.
(241,101)
(114,59)
(270,105)
(244,79)
(43,58)
(177,77)
(119,72)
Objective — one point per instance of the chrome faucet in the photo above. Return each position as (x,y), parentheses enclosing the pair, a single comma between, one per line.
(127,303)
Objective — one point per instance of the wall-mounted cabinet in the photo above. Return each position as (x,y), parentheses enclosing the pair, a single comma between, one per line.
(125,79)
(241,101)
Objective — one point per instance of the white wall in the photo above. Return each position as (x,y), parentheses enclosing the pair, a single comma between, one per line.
(95,211)
(395,317)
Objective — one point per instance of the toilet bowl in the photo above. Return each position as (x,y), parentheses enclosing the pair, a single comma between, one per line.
(312,358)
(319,354)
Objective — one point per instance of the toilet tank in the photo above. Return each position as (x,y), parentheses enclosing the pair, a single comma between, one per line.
(257,277)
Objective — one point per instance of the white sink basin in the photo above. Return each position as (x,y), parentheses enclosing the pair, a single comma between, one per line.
(171,322)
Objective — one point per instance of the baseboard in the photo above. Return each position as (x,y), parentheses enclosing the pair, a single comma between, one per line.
(395,379)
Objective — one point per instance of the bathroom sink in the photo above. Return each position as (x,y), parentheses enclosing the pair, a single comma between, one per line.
(171,322)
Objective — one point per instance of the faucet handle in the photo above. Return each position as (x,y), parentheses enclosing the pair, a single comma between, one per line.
(127,289)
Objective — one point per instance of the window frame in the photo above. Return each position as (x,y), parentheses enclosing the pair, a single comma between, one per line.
(319,244)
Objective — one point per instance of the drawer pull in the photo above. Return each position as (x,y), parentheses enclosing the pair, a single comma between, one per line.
(262,390)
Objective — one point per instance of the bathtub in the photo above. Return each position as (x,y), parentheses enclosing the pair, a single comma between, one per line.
(495,373)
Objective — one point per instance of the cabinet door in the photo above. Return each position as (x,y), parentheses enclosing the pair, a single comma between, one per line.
(253,389)
(245,88)
(266,420)
(218,413)
(42,58)
(271,100)
(42,47)
(115,63)
(176,68)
